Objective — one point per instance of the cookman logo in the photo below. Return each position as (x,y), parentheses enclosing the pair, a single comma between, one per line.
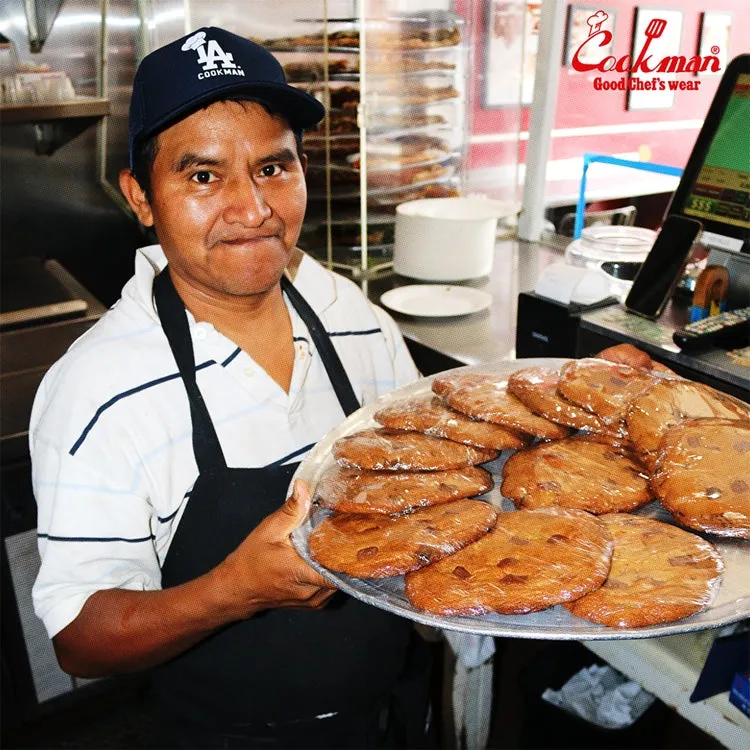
(209,54)
(585,56)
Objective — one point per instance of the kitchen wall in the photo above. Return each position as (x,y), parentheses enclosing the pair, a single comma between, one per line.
(52,206)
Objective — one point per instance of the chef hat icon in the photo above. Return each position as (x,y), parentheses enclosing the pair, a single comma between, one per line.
(595,21)
(195,41)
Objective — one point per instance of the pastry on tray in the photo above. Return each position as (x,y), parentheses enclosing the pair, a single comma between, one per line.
(580,472)
(602,387)
(414,37)
(485,396)
(659,574)
(405,451)
(666,403)
(702,475)
(536,388)
(396,65)
(366,491)
(408,37)
(314,70)
(380,546)
(428,414)
(531,560)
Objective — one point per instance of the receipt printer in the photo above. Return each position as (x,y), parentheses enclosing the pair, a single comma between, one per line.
(546,328)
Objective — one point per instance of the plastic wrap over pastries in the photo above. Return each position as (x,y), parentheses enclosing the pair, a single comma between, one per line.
(407,451)
(702,475)
(400,493)
(431,416)
(604,388)
(536,388)
(659,574)
(365,491)
(577,472)
(485,396)
(379,546)
(531,560)
(666,403)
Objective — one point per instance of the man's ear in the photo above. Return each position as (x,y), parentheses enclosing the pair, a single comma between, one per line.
(303,161)
(136,198)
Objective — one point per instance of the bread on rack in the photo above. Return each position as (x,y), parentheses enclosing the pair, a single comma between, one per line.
(408,37)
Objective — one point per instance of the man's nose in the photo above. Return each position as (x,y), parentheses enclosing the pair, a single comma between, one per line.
(246,203)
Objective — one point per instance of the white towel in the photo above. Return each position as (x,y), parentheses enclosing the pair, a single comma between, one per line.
(472,688)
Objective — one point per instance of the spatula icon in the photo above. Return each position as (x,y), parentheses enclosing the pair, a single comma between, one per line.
(655,28)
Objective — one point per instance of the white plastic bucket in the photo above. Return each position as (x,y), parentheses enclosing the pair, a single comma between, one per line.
(447,239)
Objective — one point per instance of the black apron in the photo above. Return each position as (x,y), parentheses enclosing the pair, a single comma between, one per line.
(282,666)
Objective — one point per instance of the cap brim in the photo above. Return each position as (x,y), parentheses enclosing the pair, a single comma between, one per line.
(299,108)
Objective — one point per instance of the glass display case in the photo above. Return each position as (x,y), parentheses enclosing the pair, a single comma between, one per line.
(393,76)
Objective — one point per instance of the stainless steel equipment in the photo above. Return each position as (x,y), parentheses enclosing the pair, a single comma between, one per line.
(31,675)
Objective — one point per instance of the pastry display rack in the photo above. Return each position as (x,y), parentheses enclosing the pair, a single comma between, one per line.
(395,87)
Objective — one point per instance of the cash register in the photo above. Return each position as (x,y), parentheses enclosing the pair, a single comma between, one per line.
(714,189)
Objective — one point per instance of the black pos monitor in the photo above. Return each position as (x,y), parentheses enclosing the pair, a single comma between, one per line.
(715,186)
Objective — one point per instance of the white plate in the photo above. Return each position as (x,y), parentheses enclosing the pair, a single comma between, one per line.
(732,603)
(436,300)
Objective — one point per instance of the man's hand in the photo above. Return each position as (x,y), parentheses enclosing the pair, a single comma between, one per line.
(121,631)
(266,572)
(627,354)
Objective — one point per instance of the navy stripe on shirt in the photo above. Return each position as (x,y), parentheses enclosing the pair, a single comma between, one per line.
(231,357)
(368,332)
(52,538)
(280,461)
(164,519)
(125,394)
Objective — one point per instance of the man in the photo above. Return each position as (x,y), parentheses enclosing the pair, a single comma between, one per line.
(163,443)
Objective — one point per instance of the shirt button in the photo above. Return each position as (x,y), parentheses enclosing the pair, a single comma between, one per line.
(200,333)
(249,372)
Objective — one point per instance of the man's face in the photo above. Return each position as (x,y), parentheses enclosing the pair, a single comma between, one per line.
(228,198)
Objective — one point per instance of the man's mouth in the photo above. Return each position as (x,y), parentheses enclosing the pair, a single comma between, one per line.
(246,239)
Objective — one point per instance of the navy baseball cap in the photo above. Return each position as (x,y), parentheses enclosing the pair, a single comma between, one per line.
(208,65)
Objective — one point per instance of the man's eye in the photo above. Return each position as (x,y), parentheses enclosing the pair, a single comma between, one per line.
(204,177)
(270,170)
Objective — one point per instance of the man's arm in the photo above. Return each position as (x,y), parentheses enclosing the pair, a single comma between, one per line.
(627,354)
(124,631)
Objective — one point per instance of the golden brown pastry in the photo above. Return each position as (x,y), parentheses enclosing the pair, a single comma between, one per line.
(659,574)
(536,388)
(602,387)
(364,491)
(431,416)
(531,560)
(485,396)
(405,451)
(666,403)
(702,475)
(380,546)
(580,472)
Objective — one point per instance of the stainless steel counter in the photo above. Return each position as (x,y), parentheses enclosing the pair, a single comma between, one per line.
(27,354)
(487,335)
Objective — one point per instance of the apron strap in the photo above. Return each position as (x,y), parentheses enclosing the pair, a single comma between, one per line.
(206,446)
(337,375)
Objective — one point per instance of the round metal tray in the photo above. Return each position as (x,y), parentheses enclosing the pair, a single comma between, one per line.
(732,603)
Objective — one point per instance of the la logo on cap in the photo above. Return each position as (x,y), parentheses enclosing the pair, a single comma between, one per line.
(209,54)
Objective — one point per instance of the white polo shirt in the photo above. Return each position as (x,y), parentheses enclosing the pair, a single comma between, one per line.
(111,436)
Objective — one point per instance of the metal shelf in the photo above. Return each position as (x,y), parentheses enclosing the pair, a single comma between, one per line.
(55,123)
